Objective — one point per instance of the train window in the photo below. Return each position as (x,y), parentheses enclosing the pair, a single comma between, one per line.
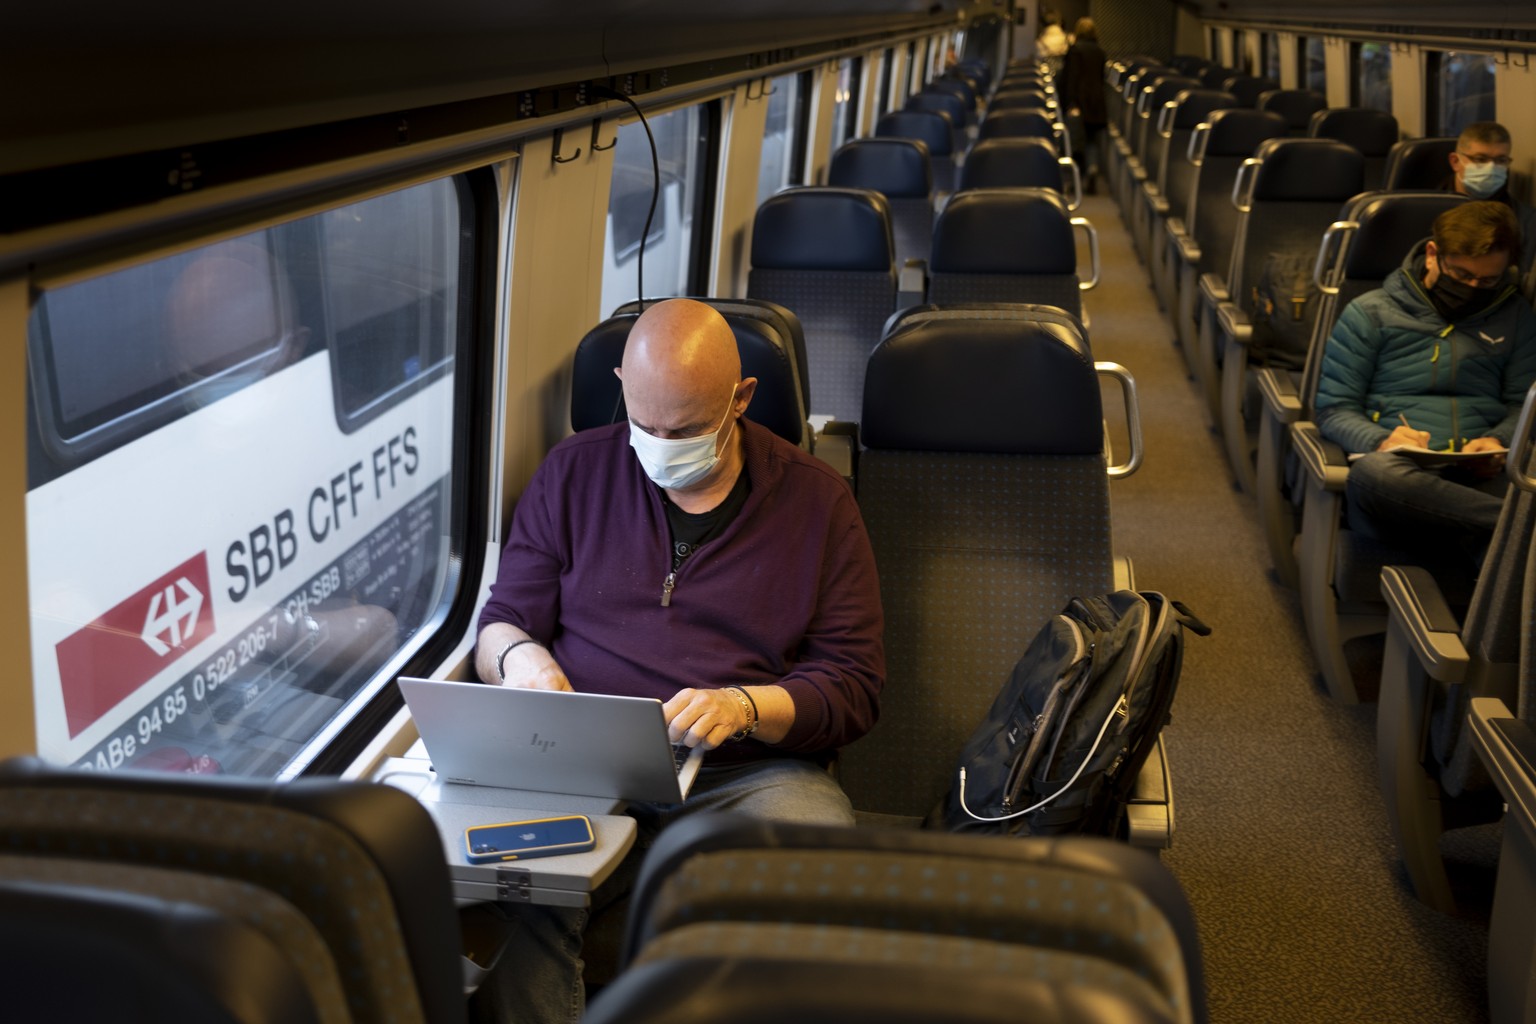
(1269,47)
(845,111)
(1461,90)
(239,496)
(1311,64)
(1213,44)
(883,96)
(683,148)
(1372,78)
(784,136)
(1239,62)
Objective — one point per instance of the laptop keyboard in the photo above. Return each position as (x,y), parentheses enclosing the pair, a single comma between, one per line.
(680,754)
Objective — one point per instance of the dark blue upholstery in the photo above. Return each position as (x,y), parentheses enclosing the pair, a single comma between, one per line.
(1419,163)
(1214,77)
(1390,224)
(1019,99)
(1238,132)
(1318,170)
(1011,163)
(1196,105)
(896,168)
(1372,132)
(940,384)
(1016,124)
(947,103)
(1295,105)
(955,86)
(1248,88)
(933,129)
(767,336)
(1004,231)
(824,229)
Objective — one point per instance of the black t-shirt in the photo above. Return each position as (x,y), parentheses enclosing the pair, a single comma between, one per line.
(692,530)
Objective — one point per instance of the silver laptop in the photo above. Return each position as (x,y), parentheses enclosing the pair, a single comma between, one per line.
(549,741)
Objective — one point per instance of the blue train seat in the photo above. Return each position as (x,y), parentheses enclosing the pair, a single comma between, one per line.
(1419,163)
(1021,163)
(827,255)
(934,130)
(1295,105)
(1373,132)
(899,170)
(1167,193)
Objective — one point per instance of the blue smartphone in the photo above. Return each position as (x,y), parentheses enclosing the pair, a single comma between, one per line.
(538,837)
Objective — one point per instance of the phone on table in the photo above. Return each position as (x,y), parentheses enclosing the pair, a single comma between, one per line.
(537,837)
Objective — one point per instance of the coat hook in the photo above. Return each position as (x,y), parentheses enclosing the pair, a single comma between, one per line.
(761,84)
(1525,60)
(1502,60)
(559,135)
(597,129)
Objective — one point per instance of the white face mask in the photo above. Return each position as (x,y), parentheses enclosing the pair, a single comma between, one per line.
(1483,180)
(676,462)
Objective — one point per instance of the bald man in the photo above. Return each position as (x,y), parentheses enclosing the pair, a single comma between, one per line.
(692,556)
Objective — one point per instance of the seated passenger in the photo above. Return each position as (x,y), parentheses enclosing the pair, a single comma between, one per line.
(1440,357)
(1480,170)
(692,556)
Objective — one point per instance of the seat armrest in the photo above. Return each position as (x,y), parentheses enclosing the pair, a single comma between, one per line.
(1175,228)
(1149,814)
(836,442)
(1150,190)
(1415,603)
(1234,322)
(1160,206)
(1326,465)
(1139,172)
(914,279)
(1507,747)
(1282,401)
(1213,289)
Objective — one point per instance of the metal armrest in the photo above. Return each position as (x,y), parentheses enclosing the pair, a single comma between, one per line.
(1160,206)
(1093,252)
(837,444)
(1149,814)
(1234,323)
(1326,465)
(1432,630)
(1282,401)
(914,278)
(1189,249)
(1132,416)
(1213,289)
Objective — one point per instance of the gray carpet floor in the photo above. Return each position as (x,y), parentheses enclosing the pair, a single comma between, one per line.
(1282,842)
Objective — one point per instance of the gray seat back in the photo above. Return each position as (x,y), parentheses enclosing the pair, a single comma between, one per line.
(1012,163)
(984,462)
(826,254)
(1176,176)
(1211,219)
(1005,245)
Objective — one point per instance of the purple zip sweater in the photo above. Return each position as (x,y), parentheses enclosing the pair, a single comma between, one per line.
(788,594)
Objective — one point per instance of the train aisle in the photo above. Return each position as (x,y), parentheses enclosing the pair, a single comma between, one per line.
(1282,842)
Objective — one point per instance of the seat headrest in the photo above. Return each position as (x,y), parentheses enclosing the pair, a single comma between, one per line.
(1317,170)
(955,85)
(1295,105)
(1390,224)
(947,103)
(1011,163)
(896,168)
(1167,88)
(1248,88)
(1238,132)
(1372,132)
(982,385)
(1019,99)
(1420,163)
(1195,106)
(933,128)
(1004,231)
(1215,76)
(597,397)
(1015,124)
(821,228)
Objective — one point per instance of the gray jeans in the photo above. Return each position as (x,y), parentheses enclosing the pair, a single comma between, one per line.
(539,977)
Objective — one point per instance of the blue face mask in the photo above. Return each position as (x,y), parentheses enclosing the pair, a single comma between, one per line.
(1483,180)
(673,463)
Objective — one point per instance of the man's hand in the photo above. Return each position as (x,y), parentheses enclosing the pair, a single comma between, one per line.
(531,667)
(704,718)
(1492,467)
(1404,437)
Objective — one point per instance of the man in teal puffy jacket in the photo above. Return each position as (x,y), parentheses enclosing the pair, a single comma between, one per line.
(1438,358)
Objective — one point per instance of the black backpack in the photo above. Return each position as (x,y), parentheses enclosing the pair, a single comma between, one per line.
(1062,746)
(1285,301)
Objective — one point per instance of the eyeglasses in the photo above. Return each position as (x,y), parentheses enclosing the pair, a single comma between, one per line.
(1466,277)
(1484,158)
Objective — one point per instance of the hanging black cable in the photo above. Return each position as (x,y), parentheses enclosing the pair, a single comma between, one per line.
(603,90)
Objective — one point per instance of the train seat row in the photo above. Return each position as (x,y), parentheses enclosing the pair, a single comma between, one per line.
(1454,725)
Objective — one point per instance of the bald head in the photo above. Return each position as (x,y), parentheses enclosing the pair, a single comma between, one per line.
(681,369)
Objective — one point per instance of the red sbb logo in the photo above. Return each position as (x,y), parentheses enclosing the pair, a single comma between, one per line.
(111,657)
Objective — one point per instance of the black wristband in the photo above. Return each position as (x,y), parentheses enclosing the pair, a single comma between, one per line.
(501,659)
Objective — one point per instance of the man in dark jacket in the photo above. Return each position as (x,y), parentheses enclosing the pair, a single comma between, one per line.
(1437,359)
(1480,170)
